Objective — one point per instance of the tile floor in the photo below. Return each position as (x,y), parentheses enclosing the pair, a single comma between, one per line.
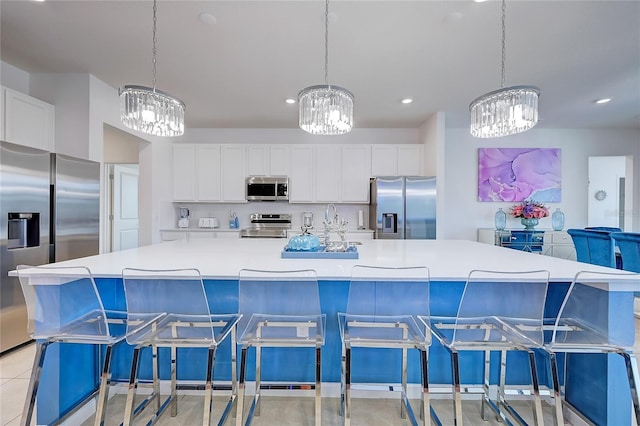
(15,370)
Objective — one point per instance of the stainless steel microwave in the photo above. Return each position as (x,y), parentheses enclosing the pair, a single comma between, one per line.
(263,188)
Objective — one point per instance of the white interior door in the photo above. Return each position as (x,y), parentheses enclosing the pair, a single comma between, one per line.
(125,206)
(610,197)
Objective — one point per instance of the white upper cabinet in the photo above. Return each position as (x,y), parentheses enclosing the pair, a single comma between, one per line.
(384,160)
(209,177)
(301,174)
(397,160)
(234,172)
(27,121)
(258,160)
(356,171)
(209,173)
(184,172)
(267,160)
(410,160)
(279,160)
(328,173)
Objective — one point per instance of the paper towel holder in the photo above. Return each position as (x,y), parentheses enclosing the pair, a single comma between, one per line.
(361,219)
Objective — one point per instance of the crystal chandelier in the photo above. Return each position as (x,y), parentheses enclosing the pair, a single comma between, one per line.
(149,110)
(325,109)
(506,111)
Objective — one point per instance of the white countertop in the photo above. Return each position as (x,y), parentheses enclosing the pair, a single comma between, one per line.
(448,260)
(197,229)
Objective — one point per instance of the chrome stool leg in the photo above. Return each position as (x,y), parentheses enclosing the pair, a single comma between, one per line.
(174,393)
(241,387)
(487,371)
(318,402)
(455,378)
(347,388)
(535,390)
(557,397)
(156,380)
(103,393)
(403,409)
(208,387)
(634,380)
(258,377)
(133,384)
(426,402)
(34,383)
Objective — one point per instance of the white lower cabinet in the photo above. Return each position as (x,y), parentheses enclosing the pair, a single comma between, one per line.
(554,243)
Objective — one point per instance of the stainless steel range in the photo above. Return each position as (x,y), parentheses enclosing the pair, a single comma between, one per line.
(267,225)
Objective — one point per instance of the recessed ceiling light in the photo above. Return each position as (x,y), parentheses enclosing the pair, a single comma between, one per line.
(290,101)
(407,100)
(603,100)
(479,1)
(207,19)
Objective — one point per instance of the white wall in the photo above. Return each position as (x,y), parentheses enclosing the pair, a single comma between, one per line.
(14,78)
(464,214)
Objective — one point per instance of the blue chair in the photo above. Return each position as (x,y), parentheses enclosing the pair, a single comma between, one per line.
(629,245)
(603,228)
(594,247)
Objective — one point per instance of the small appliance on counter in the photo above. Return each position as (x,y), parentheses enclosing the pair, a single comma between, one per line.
(233,220)
(183,221)
(208,222)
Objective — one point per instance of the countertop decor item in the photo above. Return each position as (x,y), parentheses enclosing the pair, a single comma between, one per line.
(530,209)
(325,109)
(505,111)
(500,219)
(529,224)
(149,110)
(557,220)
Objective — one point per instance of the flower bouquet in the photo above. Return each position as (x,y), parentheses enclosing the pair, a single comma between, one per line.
(529,212)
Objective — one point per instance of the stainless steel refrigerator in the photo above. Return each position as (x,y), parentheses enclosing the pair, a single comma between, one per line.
(49,212)
(403,207)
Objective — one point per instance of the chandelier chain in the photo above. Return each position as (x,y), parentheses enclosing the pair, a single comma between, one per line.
(504,50)
(326,43)
(154,51)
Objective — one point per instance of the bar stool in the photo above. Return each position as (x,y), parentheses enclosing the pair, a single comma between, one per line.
(584,329)
(169,308)
(281,309)
(383,311)
(594,247)
(63,306)
(499,311)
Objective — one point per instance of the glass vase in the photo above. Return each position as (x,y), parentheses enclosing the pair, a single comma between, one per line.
(529,224)
(500,220)
(557,220)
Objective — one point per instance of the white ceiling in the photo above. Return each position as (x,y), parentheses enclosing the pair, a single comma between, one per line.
(237,72)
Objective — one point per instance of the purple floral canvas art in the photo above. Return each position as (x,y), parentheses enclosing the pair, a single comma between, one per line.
(517,174)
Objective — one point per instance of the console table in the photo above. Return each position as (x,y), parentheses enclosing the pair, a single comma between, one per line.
(543,241)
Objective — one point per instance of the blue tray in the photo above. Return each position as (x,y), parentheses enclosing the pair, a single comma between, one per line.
(351,253)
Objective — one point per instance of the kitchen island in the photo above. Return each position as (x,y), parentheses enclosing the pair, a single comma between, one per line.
(449,262)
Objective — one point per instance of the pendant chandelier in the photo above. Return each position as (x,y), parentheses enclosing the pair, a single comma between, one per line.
(149,110)
(506,111)
(325,109)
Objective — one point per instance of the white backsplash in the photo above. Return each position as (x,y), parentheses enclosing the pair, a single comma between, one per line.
(221,211)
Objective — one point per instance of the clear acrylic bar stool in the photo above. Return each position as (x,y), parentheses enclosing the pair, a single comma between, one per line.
(383,311)
(499,311)
(280,309)
(582,327)
(169,308)
(64,306)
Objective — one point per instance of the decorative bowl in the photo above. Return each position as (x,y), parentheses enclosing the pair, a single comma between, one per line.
(304,242)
